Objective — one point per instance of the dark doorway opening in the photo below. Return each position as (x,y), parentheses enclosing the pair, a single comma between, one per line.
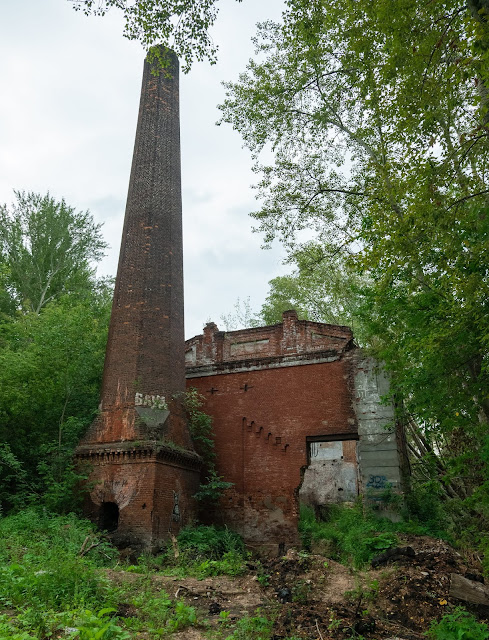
(109,516)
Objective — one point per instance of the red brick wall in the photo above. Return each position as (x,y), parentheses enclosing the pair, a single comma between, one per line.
(146,333)
(289,338)
(144,372)
(143,485)
(260,437)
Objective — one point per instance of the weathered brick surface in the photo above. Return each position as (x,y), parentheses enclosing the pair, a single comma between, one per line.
(144,372)
(146,334)
(146,483)
(292,337)
(296,385)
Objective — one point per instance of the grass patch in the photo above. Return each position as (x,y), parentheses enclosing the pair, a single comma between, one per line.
(42,563)
(202,551)
(50,574)
(157,613)
(355,536)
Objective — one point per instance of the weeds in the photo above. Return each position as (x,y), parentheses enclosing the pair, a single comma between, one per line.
(301,591)
(252,628)
(9,630)
(100,626)
(55,588)
(203,551)
(334,621)
(458,625)
(41,567)
(33,537)
(208,542)
(367,593)
(157,613)
(354,534)
(200,425)
(183,616)
(262,575)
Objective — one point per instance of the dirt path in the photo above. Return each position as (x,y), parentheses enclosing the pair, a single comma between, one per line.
(311,596)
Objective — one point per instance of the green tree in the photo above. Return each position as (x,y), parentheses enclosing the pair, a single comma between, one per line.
(242,316)
(46,251)
(377,119)
(319,290)
(182,25)
(50,371)
(53,328)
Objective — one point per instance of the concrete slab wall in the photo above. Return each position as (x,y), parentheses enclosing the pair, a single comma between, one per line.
(378,454)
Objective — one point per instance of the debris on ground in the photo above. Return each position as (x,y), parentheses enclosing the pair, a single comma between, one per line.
(311,596)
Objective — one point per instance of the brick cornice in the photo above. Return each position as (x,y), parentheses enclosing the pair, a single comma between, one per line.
(149,451)
(273,362)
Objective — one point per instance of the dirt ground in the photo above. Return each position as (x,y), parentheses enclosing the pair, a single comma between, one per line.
(312,597)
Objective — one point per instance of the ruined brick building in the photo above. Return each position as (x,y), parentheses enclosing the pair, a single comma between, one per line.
(296,406)
(297,418)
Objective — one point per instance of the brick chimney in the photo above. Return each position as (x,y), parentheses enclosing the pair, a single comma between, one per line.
(140,445)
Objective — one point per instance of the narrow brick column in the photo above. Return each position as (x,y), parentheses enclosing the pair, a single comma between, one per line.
(145,360)
(144,373)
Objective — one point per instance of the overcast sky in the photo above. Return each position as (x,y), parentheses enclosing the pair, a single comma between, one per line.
(70,88)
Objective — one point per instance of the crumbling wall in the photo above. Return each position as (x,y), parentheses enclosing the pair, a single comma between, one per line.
(152,487)
(298,416)
(292,337)
(264,410)
(331,475)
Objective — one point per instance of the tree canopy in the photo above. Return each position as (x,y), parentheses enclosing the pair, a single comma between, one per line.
(53,329)
(377,118)
(181,25)
(46,250)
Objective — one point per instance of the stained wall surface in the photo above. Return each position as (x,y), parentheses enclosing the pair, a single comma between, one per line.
(152,490)
(295,411)
(140,485)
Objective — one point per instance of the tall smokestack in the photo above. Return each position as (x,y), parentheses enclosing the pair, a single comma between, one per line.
(145,350)
(144,373)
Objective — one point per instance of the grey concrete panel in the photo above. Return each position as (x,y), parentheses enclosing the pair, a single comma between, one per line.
(378,458)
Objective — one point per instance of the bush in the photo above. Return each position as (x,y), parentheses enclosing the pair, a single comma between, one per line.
(355,534)
(231,564)
(424,509)
(209,542)
(458,625)
(202,551)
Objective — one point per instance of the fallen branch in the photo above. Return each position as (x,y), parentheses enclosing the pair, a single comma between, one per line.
(80,553)
(92,546)
(468,590)
(320,634)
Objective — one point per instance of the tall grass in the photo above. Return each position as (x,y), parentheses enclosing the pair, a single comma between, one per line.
(45,573)
(355,536)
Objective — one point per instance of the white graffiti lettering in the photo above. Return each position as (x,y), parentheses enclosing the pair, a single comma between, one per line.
(153,402)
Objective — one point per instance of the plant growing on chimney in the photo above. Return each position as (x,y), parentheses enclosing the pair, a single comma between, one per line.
(200,425)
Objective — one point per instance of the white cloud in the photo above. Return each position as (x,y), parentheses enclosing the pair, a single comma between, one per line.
(68,112)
